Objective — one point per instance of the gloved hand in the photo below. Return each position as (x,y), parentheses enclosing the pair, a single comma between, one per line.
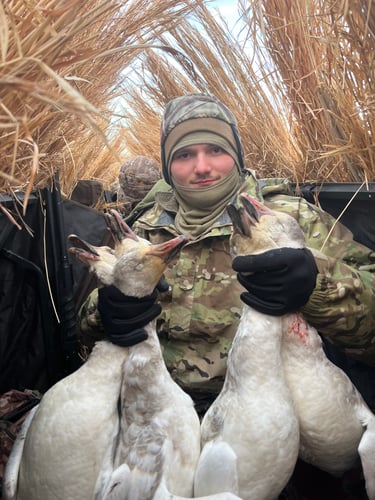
(124,317)
(280,280)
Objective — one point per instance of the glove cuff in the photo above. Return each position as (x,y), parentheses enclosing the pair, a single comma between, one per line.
(129,339)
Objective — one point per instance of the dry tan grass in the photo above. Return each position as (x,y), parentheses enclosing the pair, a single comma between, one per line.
(303,96)
(303,92)
(323,50)
(61,64)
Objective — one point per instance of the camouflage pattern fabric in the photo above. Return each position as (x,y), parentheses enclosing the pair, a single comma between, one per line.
(194,106)
(136,178)
(202,308)
(90,325)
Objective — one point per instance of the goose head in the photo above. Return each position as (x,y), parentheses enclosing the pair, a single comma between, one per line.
(257,228)
(134,266)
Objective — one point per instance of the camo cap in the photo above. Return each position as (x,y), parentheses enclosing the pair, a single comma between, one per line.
(193,113)
(137,176)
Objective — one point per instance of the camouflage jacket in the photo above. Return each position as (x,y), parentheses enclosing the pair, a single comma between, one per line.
(202,308)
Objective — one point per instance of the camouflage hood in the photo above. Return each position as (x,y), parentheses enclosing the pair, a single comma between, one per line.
(197,113)
(137,176)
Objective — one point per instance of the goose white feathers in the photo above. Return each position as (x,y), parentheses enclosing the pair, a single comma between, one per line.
(250,433)
(336,425)
(119,427)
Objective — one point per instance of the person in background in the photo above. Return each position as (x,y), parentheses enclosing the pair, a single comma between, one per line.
(204,169)
(137,176)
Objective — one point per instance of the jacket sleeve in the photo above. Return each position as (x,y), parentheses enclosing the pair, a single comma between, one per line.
(342,306)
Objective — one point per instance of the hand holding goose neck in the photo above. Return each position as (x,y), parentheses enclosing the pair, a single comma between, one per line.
(124,317)
(277,281)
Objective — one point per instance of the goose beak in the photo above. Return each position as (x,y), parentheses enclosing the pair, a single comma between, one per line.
(247,216)
(167,250)
(118,227)
(243,218)
(82,248)
(235,216)
(253,207)
(250,209)
(86,253)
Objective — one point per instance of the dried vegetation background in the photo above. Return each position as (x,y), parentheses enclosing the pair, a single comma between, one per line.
(83,84)
(61,66)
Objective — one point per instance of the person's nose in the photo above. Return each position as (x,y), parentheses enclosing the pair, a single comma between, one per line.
(202,165)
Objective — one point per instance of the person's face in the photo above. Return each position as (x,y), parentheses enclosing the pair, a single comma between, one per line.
(200,165)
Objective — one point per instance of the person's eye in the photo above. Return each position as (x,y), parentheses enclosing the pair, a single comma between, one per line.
(181,155)
(217,150)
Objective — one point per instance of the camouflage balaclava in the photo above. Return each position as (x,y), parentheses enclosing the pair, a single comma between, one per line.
(197,113)
(200,119)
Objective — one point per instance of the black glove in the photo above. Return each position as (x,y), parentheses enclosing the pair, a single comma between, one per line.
(280,280)
(124,317)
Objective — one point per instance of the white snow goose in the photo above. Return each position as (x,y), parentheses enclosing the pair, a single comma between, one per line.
(119,427)
(336,426)
(250,434)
